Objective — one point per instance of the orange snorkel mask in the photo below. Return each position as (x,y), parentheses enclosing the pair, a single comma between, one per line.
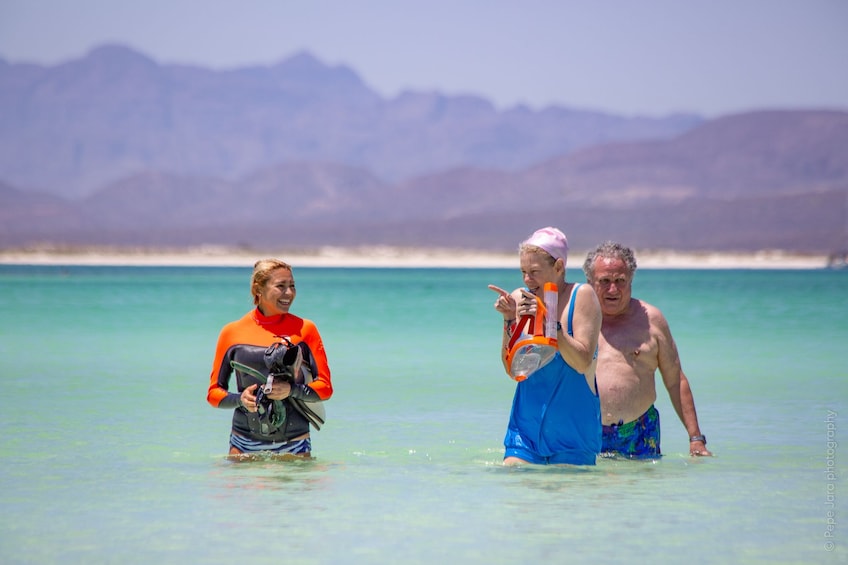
(528,352)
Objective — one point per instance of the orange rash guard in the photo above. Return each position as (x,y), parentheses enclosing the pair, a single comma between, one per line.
(245,341)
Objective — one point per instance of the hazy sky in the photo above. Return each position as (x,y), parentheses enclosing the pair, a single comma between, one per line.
(712,57)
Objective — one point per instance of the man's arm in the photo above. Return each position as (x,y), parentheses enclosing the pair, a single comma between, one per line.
(690,419)
(677,384)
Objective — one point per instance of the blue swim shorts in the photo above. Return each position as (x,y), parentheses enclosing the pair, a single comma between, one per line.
(246,445)
(639,439)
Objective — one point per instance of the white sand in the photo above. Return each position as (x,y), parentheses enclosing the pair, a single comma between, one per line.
(383,256)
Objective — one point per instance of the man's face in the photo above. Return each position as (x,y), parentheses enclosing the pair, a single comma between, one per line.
(612,285)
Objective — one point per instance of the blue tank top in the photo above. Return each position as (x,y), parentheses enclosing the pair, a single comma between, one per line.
(554,412)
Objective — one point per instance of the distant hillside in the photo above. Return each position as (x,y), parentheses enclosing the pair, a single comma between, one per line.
(74,128)
(116,149)
(773,180)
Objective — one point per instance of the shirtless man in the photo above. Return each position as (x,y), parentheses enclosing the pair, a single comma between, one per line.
(635,341)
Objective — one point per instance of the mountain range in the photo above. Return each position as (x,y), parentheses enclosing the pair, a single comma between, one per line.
(114,148)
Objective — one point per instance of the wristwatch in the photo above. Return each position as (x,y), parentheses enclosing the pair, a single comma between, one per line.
(701,438)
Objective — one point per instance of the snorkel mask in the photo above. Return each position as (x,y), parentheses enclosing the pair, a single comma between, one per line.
(533,344)
(283,360)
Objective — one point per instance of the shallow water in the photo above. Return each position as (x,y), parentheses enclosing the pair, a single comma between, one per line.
(111,453)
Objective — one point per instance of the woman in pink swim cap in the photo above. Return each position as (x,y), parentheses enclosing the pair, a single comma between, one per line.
(556,414)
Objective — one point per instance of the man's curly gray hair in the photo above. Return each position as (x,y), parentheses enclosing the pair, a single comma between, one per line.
(609,250)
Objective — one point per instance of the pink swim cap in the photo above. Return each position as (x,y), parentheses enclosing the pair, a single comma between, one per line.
(551,240)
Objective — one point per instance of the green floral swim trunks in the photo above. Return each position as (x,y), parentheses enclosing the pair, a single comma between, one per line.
(639,439)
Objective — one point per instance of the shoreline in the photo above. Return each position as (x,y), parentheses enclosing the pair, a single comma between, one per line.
(385,257)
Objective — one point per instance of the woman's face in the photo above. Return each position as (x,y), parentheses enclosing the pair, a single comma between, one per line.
(277,295)
(536,269)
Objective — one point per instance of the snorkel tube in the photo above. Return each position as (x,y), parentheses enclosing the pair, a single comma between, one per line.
(530,350)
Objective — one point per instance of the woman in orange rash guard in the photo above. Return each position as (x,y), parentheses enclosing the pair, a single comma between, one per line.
(279,424)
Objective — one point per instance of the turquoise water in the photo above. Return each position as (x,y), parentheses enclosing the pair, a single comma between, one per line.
(111,455)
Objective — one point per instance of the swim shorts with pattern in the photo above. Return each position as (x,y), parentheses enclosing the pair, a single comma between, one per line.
(246,445)
(639,439)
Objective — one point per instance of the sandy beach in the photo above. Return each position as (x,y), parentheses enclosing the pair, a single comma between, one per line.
(384,256)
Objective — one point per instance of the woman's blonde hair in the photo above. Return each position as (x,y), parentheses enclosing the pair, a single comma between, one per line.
(262,270)
(536,250)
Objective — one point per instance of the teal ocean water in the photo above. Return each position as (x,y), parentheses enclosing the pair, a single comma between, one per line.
(110,453)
